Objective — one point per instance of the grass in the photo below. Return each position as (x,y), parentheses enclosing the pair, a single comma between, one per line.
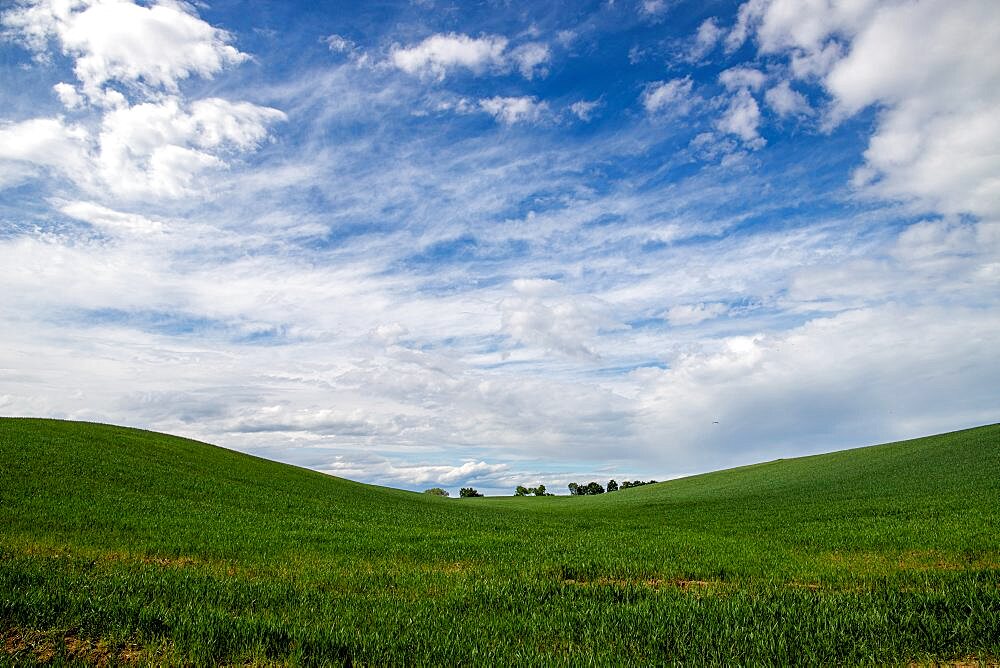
(127,546)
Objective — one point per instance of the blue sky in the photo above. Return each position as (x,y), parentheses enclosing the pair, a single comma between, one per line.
(424,243)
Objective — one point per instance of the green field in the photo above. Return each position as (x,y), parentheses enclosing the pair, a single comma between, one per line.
(128,546)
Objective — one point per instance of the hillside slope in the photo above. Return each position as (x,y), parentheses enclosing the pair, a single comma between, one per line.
(150,548)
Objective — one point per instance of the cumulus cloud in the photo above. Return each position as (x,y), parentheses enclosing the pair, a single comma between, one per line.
(158,146)
(653,7)
(161,148)
(747,15)
(783,24)
(705,39)
(930,67)
(442,53)
(46,142)
(155,46)
(68,95)
(439,54)
(674,96)
(514,110)
(742,114)
(785,101)
(541,316)
(742,77)
(532,59)
(938,140)
(470,472)
(742,118)
(814,64)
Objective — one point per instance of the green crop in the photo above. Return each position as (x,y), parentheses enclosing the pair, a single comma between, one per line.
(125,546)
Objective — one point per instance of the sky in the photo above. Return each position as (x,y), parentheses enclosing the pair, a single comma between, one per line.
(428,243)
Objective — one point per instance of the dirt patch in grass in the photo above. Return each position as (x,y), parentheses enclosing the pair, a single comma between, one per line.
(175,562)
(166,562)
(46,646)
(913,560)
(968,662)
(652,583)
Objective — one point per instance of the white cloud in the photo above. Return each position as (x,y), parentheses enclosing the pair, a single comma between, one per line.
(109,220)
(674,96)
(708,36)
(339,44)
(742,77)
(161,148)
(48,143)
(68,95)
(890,62)
(692,314)
(389,333)
(142,47)
(513,110)
(747,16)
(938,139)
(653,7)
(566,38)
(438,54)
(788,24)
(584,109)
(532,59)
(442,53)
(542,316)
(815,63)
(818,372)
(496,478)
(930,67)
(785,101)
(711,146)
(742,118)
(153,148)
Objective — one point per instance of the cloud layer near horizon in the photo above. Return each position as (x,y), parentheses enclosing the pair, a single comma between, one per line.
(429,253)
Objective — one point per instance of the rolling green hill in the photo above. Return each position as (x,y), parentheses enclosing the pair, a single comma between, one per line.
(129,546)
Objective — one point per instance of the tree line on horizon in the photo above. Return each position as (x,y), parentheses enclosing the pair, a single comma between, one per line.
(591,488)
(575,489)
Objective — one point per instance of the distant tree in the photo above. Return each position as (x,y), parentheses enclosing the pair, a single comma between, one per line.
(625,485)
(590,488)
(612,485)
(539,491)
(436,491)
(468,492)
(521,491)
